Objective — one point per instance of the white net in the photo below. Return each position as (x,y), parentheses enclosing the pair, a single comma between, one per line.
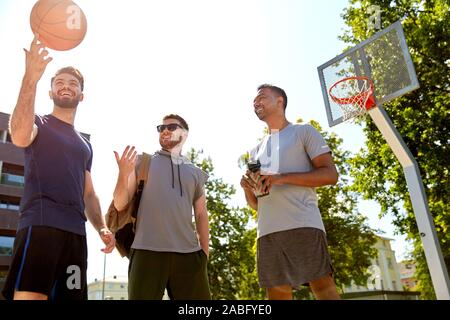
(354,95)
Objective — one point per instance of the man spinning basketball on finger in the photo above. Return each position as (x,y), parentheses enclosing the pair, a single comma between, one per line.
(50,244)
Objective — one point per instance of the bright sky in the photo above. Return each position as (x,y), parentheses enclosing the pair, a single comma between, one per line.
(202,59)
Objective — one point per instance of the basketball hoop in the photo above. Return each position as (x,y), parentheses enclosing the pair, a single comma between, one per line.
(354,95)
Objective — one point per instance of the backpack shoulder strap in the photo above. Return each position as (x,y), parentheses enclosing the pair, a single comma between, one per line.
(144,167)
(141,180)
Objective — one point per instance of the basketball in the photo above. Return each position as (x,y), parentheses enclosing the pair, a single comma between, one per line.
(61,24)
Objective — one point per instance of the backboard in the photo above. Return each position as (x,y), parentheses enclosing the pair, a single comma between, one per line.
(384,61)
(384,58)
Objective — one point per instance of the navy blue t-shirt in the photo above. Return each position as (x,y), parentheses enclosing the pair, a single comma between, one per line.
(55,165)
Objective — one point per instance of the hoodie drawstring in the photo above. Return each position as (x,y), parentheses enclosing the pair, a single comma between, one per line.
(173,177)
(171,166)
(179,180)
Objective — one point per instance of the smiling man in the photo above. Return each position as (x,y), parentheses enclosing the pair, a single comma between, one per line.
(50,250)
(168,251)
(291,246)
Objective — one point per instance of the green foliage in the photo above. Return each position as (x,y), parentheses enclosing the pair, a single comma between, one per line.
(421,117)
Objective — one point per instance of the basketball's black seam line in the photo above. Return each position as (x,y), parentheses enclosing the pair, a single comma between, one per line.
(56,36)
(51,23)
(40,19)
(41,22)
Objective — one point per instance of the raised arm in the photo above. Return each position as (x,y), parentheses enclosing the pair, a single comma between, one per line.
(21,126)
(126,181)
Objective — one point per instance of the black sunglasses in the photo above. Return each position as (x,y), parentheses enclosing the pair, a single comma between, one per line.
(171,127)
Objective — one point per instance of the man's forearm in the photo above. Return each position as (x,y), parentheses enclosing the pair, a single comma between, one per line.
(316,178)
(121,193)
(202,225)
(251,199)
(22,118)
(94,212)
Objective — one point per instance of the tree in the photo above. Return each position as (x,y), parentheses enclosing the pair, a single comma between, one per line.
(232,265)
(421,118)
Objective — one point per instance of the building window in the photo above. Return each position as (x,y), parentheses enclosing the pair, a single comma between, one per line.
(9,206)
(389,262)
(12,180)
(6,246)
(3,274)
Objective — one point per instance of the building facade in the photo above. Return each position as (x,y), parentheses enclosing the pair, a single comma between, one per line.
(407,271)
(385,271)
(112,288)
(11,190)
(385,279)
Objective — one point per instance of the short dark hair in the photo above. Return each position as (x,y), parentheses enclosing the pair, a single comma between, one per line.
(277,90)
(177,117)
(72,71)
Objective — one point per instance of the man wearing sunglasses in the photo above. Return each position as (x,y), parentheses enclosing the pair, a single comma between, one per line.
(167,252)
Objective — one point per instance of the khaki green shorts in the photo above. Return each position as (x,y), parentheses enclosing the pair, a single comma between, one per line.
(184,275)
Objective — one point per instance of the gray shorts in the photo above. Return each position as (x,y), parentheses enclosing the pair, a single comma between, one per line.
(292,257)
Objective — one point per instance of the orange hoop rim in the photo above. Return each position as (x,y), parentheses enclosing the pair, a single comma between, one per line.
(351,100)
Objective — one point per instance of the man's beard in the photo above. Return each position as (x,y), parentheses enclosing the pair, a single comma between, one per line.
(168,145)
(66,103)
(260,116)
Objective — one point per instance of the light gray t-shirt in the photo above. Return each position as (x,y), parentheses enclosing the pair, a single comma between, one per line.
(165,215)
(288,206)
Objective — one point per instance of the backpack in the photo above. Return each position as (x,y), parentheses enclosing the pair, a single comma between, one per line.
(123,223)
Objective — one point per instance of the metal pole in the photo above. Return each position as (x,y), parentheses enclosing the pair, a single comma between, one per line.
(104,269)
(431,247)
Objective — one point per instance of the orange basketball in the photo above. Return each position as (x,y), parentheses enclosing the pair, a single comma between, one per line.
(61,24)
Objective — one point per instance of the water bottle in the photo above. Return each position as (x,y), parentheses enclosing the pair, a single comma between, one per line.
(255,167)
